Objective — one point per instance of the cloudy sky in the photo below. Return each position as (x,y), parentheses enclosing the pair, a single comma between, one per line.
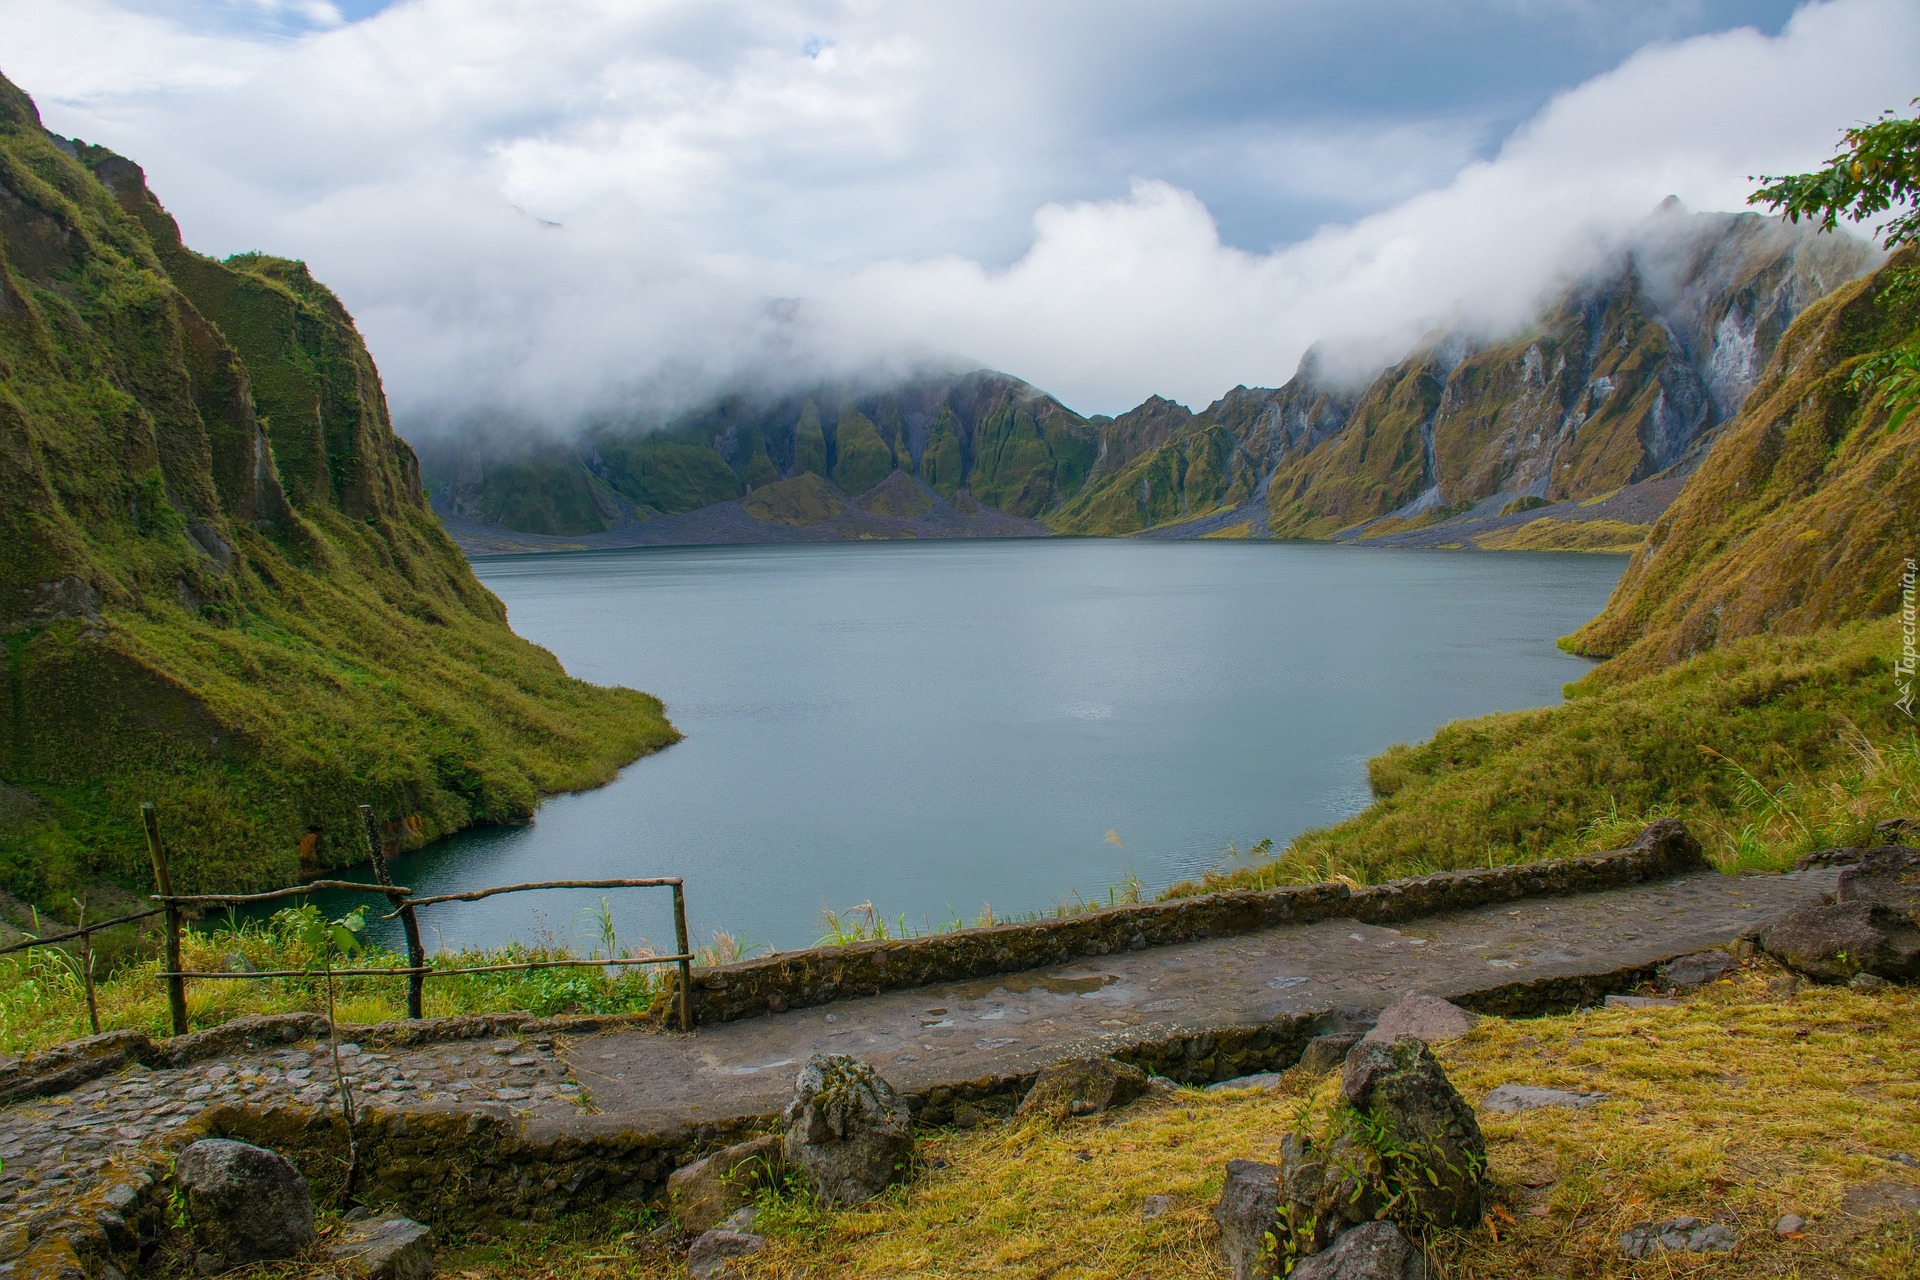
(557,209)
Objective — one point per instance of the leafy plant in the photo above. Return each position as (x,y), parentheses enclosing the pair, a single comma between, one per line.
(325,939)
(1875,171)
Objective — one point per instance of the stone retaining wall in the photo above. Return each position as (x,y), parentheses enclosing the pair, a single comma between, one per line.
(797,979)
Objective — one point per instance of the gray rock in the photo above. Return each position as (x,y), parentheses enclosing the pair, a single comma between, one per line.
(1789,1224)
(743,1220)
(1868,982)
(847,1130)
(1403,1088)
(702,1194)
(1155,1207)
(1326,1188)
(1834,941)
(1843,857)
(1427,1018)
(384,1248)
(1082,1087)
(1325,1052)
(1678,1235)
(1696,970)
(1883,1201)
(1641,1002)
(1371,1251)
(1259,1080)
(247,1204)
(709,1256)
(1887,874)
(1245,1211)
(1507,1099)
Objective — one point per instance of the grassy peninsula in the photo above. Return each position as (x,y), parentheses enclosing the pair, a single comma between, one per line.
(221,587)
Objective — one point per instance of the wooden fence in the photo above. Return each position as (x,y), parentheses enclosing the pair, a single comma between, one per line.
(405,907)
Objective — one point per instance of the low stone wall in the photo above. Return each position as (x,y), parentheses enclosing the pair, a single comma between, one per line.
(797,979)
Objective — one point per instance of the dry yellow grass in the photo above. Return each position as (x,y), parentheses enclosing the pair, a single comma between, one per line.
(1747,1102)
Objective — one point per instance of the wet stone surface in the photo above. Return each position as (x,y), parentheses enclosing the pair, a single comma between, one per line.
(52,1147)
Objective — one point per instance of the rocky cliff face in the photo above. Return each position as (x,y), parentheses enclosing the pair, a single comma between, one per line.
(1621,378)
(1804,516)
(221,587)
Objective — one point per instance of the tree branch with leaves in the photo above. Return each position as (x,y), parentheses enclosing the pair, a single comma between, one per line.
(1876,171)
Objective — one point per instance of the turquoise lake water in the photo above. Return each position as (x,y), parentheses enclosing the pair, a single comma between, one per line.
(934,727)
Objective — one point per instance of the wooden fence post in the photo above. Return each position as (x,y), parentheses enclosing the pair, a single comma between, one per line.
(409,923)
(86,968)
(163,881)
(686,966)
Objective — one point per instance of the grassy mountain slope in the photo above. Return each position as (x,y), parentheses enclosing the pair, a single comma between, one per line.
(1802,517)
(220,586)
(1753,688)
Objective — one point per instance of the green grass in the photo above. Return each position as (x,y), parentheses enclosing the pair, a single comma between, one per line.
(1767,748)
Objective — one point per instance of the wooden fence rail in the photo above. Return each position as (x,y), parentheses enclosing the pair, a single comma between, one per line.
(404,905)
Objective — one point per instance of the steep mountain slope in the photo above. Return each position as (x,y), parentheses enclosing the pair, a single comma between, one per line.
(1621,378)
(1804,516)
(220,586)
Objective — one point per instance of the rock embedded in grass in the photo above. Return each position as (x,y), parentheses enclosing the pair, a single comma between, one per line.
(1324,1053)
(1437,1157)
(1249,1199)
(389,1247)
(711,1256)
(1371,1251)
(1696,970)
(702,1194)
(247,1204)
(1082,1087)
(847,1130)
(1677,1235)
(1508,1099)
(1426,1018)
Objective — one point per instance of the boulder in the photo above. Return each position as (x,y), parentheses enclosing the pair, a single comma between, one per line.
(1326,1187)
(1508,1099)
(1640,1002)
(1696,970)
(711,1255)
(1324,1053)
(1888,875)
(1441,1159)
(1834,941)
(702,1194)
(1259,1080)
(384,1248)
(1427,1018)
(247,1204)
(847,1129)
(1245,1211)
(1371,1251)
(1082,1087)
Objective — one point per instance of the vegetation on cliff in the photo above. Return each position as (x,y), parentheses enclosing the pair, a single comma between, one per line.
(220,586)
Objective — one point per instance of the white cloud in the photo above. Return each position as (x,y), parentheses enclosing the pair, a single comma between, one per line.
(886,164)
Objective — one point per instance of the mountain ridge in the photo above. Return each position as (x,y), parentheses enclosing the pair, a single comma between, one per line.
(1620,377)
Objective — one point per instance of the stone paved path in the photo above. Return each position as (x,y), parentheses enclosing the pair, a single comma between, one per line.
(964,1031)
(918,1039)
(49,1147)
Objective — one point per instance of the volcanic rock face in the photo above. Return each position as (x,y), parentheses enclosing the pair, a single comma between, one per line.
(1869,929)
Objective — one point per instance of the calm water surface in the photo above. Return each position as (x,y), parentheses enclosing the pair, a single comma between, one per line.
(939,726)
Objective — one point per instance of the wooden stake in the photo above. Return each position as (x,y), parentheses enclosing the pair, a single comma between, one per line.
(409,922)
(163,881)
(686,965)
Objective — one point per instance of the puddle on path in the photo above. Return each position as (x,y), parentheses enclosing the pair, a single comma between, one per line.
(1019,984)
